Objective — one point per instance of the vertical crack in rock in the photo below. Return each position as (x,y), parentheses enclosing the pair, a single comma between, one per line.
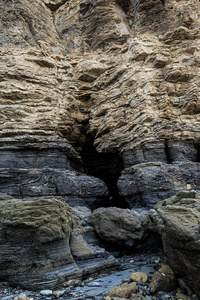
(106,166)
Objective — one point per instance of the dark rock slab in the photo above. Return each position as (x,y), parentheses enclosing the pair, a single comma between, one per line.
(182,151)
(147,183)
(75,187)
(150,152)
(48,158)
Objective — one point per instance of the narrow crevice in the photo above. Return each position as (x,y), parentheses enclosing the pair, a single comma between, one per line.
(106,166)
(197,146)
(167,152)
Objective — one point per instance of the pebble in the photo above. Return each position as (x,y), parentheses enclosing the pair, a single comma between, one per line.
(58,294)
(46,292)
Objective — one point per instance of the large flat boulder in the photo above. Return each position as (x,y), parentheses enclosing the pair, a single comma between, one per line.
(177,220)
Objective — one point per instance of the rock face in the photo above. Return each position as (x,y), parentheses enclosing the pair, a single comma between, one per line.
(42,245)
(146,184)
(122,74)
(76,188)
(121,226)
(177,220)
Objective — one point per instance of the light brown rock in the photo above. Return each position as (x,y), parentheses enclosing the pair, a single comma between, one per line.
(123,291)
(139,277)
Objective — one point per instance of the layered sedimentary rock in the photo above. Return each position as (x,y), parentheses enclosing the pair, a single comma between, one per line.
(122,74)
(177,221)
(42,244)
(146,184)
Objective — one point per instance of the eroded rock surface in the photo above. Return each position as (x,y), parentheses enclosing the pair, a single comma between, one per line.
(121,226)
(177,220)
(42,244)
(123,74)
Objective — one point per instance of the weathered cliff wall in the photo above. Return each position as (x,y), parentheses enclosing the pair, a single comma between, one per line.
(120,78)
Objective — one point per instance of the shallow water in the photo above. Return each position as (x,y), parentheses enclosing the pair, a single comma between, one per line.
(98,288)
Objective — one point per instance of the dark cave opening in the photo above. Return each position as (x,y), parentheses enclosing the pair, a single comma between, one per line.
(106,166)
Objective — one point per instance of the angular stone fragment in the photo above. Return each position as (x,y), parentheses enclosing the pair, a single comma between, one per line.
(163,280)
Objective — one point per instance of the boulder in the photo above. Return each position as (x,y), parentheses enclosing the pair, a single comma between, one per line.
(123,291)
(121,226)
(177,220)
(41,244)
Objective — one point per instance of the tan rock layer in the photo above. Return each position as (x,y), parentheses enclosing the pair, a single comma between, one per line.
(142,87)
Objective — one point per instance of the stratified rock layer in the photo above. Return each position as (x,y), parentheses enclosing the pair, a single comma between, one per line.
(147,183)
(124,75)
(42,246)
(177,220)
(134,83)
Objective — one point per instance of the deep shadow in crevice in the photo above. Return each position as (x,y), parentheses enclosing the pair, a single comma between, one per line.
(167,152)
(197,146)
(106,166)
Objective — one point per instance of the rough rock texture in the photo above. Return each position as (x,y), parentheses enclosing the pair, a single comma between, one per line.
(163,280)
(124,72)
(123,291)
(177,220)
(75,188)
(142,88)
(121,226)
(146,184)
(41,244)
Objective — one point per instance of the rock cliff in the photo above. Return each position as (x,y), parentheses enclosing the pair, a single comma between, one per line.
(103,88)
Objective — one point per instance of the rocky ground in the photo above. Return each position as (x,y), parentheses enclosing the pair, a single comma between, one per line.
(98,287)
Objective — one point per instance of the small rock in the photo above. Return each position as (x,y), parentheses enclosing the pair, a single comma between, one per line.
(148,298)
(107,298)
(46,292)
(125,280)
(163,280)
(123,291)
(22,297)
(139,277)
(58,294)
